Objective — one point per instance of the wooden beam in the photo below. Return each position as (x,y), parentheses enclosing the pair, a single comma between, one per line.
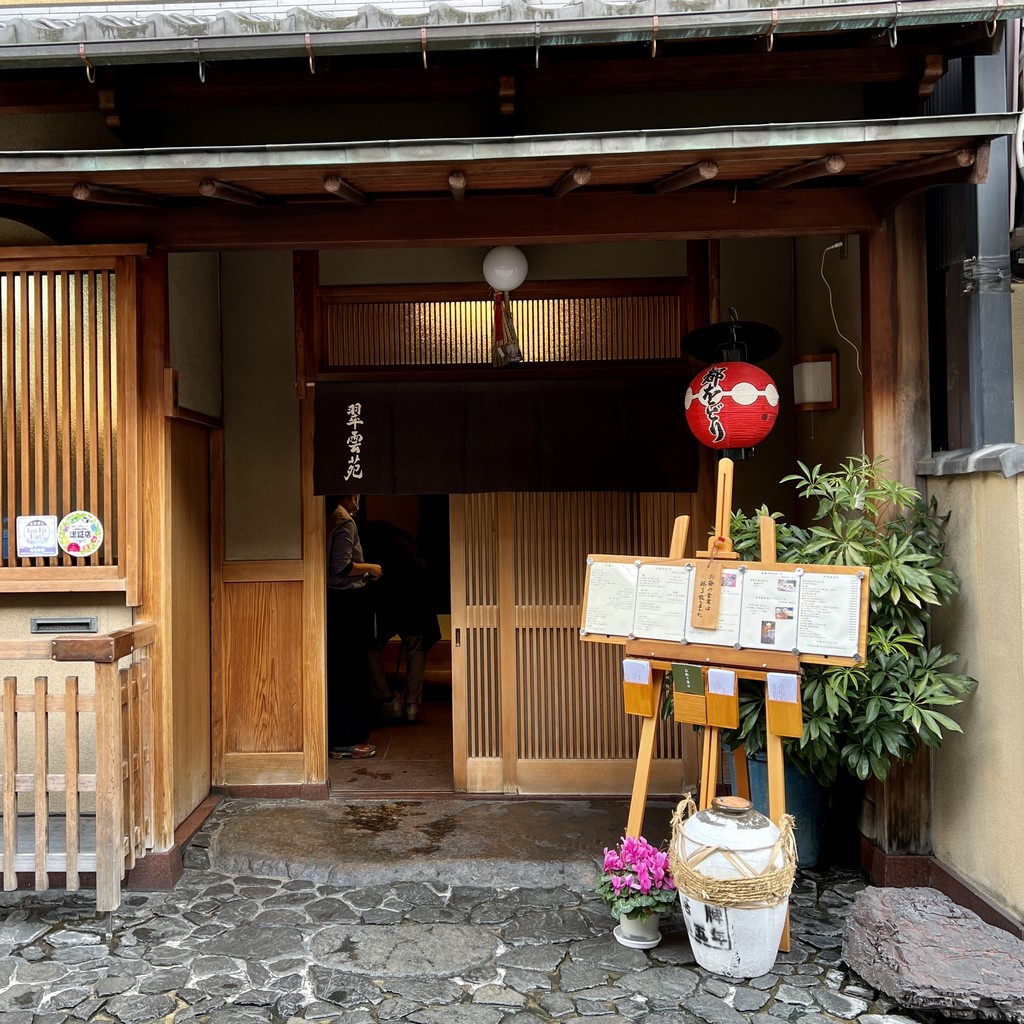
(957,159)
(487,221)
(88,192)
(333,184)
(214,189)
(934,69)
(457,183)
(833,164)
(574,179)
(704,171)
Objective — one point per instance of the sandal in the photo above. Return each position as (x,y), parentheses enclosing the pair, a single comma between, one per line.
(356,751)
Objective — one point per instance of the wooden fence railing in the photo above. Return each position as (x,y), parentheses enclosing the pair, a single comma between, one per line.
(118,716)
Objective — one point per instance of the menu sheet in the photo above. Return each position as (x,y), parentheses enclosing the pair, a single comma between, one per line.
(829,620)
(611,598)
(727,632)
(662,598)
(768,616)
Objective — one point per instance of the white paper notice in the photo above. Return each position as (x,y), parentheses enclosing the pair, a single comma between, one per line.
(829,614)
(722,682)
(727,633)
(611,598)
(782,687)
(636,670)
(769,613)
(37,536)
(662,595)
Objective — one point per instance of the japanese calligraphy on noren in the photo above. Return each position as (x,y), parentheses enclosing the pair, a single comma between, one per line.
(354,441)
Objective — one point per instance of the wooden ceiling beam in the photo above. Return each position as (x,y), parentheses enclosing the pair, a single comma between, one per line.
(337,187)
(89,192)
(213,189)
(833,164)
(958,159)
(484,221)
(574,179)
(457,184)
(704,171)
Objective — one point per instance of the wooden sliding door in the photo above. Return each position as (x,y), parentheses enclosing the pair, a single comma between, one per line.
(535,710)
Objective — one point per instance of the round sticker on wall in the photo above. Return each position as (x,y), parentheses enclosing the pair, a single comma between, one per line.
(80,534)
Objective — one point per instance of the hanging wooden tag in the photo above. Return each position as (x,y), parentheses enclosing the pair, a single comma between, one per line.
(707,590)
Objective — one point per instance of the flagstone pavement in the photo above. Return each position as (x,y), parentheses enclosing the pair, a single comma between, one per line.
(235,947)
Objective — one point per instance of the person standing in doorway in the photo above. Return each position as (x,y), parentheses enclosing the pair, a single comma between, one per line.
(349,634)
(403,606)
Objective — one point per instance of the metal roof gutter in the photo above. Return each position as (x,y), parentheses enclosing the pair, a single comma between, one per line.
(154,33)
(409,151)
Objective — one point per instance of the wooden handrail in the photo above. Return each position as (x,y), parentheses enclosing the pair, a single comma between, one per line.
(104,648)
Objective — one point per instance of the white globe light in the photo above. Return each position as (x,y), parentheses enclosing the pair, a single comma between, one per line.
(505,268)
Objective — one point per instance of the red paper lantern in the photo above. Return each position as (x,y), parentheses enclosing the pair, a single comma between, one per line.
(731,405)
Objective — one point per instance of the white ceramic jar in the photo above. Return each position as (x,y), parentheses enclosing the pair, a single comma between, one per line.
(734,941)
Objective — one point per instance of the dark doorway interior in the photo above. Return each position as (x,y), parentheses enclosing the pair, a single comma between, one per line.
(412,758)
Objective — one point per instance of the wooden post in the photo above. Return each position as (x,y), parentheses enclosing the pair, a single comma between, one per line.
(649,729)
(109,826)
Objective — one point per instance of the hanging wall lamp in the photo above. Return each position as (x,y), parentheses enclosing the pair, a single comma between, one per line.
(505,270)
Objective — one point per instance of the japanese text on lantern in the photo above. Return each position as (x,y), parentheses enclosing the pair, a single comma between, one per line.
(354,470)
(712,392)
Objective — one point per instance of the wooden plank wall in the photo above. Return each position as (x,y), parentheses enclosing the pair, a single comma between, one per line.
(190,612)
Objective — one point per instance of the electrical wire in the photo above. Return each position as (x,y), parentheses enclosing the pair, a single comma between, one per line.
(831,305)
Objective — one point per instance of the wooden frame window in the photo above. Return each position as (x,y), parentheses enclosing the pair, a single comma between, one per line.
(68,429)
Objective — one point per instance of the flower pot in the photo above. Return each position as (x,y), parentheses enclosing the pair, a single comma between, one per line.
(637,933)
(806,800)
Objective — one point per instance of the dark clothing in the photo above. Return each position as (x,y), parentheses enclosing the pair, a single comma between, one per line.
(349,635)
(402,598)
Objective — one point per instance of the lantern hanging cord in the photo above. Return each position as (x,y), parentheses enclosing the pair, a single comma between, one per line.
(831,305)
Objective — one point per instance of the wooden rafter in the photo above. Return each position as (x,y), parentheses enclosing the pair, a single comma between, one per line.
(457,184)
(333,184)
(704,171)
(89,192)
(574,179)
(213,189)
(832,164)
(955,160)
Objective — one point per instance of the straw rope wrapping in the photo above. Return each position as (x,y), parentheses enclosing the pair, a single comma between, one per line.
(753,889)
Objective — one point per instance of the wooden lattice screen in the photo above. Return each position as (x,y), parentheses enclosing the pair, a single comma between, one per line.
(67,430)
(452,325)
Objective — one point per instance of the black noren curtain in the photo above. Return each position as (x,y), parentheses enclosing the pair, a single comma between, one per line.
(456,437)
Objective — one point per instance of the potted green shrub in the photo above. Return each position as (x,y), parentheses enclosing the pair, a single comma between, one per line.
(862,719)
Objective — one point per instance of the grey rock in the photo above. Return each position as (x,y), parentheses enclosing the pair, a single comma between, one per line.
(546,926)
(717,987)
(20,932)
(80,954)
(523,1017)
(815,1018)
(746,1000)
(556,1004)
(575,977)
(713,1010)
(593,1007)
(42,973)
(437,950)
(139,1009)
(456,1015)
(885,1018)
(667,986)
(606,952)
(527,981)
(71,938)
(921,949)
(498,995)
(834,978)
(670,1017)
(342,988)
(764,982)
(208,966)
(164,981)
(64,999)
(114,985)
(246,941)
(87,1010)
(840,1005)
(273,918)
(794,996)
(535,958)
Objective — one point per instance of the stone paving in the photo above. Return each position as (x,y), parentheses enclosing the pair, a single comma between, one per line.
(236,949)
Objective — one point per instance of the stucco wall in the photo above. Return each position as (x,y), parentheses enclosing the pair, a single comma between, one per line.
(830,436)
(757,281)
(194,306)
(261,410)
(977,829)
